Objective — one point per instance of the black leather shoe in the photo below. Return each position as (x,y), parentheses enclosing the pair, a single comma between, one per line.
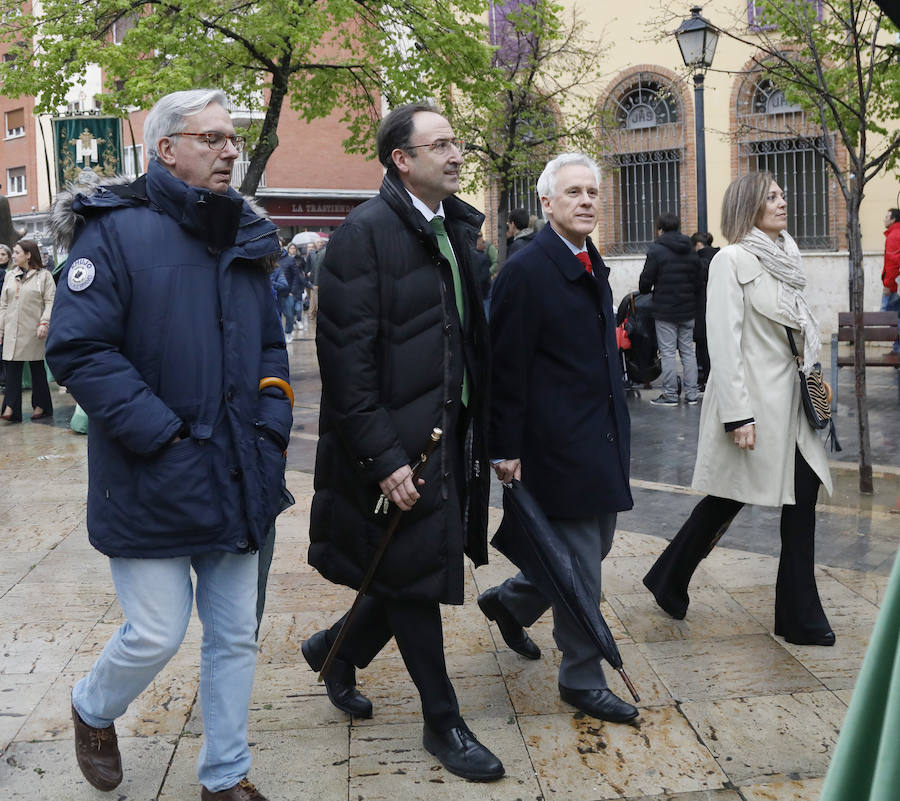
(340,683)
(676,608)
(513,634)
(97,752)
(825,638)
(602,704)
(461,753)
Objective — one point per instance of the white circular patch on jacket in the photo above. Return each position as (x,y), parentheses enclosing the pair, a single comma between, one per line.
(81,274)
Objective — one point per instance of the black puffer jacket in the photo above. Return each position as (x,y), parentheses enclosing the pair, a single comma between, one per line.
(390,352)
(673,273)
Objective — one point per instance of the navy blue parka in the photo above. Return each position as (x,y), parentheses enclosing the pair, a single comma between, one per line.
(176,326)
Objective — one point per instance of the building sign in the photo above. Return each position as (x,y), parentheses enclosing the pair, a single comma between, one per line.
(321,211)
(87,143)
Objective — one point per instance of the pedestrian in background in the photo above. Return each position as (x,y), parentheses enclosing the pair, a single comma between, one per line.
(166,326)
(755,444)
(26,301)
(672,273)
(5,264)
(702,242)
(890,299)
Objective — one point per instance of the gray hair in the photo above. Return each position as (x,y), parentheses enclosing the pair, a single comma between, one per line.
(168,114)
(546,184)
(6,249)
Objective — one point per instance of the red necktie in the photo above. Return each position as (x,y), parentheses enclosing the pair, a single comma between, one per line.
(585,260)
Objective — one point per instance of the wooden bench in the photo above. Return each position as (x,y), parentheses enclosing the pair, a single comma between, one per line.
(877,327)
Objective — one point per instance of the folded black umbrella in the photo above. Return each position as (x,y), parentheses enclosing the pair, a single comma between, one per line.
(528,540)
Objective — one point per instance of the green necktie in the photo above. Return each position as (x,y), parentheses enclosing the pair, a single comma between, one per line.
(437,223)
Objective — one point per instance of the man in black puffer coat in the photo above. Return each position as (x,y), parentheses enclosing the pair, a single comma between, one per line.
(673,273)
(401,341)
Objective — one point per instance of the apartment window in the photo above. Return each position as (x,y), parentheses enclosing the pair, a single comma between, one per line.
(121,26)
(15,123)
(15,181)
(128,167)
(645,148)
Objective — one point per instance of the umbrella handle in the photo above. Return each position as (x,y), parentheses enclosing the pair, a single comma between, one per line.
(628,684)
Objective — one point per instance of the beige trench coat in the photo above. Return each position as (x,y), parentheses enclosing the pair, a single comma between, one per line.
(24,304)
(752,374)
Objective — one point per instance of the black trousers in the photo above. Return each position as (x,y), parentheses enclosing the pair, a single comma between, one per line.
(416,625)
(40,389)
(798,609)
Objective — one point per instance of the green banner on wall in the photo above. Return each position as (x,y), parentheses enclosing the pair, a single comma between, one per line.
(91,143)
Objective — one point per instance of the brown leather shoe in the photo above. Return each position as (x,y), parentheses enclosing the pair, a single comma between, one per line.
(97,752)
(242,791)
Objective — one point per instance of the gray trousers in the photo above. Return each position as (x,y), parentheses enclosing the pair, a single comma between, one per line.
(590,540)
(670,336)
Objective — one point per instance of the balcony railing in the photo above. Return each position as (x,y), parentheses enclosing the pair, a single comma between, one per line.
(239,173)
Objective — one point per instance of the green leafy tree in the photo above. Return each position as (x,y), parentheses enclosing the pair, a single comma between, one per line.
(537,95)
(837,59)
(315,55)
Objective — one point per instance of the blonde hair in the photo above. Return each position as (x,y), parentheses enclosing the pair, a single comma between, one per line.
(743,203)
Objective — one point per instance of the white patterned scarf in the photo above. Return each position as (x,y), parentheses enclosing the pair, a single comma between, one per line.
(781,260)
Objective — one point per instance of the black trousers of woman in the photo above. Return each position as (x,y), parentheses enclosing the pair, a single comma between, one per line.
(40,389)
(799,616)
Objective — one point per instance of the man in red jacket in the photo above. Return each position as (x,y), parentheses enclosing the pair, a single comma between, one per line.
(890,300)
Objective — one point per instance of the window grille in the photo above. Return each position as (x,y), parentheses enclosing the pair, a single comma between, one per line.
(523,195)
(649,183)
(239,172)
(644,146)
(802,174)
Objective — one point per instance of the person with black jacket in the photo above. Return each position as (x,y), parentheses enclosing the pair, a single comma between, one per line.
(672,273)
(402,346)
(702,242)
(519,232)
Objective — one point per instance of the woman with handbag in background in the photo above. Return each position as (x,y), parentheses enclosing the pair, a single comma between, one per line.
(755,444)
(25,303)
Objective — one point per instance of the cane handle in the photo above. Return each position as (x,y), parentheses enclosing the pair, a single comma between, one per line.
(277,383)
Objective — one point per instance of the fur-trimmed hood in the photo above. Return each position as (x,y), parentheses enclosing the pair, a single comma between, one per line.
(90,193)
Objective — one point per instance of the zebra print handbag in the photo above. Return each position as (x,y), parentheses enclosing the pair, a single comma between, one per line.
(814,391)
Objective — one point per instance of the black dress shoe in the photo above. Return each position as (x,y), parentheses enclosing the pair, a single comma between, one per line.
(340,682)
(602,704)
(97,753)
(513,634)
(825,638)
(461,753)
(673,608)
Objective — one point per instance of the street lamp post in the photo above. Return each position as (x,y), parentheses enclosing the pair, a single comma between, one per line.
(697,39)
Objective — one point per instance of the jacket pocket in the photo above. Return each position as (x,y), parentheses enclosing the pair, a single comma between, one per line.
(271,461)
(176,491)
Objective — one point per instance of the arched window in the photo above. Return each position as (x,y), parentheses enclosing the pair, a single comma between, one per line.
(643,140)
(774,135)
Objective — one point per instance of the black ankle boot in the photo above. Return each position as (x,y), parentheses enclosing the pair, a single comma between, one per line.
(340,682)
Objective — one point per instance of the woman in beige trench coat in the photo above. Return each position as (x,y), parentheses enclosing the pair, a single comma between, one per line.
(25,303)
(755,444)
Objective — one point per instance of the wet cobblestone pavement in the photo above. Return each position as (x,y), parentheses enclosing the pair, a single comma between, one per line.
(728,711)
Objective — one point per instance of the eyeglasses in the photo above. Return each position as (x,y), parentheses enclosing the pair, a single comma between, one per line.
(215,140)
(440,146)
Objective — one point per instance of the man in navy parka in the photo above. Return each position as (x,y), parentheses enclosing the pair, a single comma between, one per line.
(163,327)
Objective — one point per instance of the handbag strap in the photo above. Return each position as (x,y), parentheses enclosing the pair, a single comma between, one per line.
(790,336)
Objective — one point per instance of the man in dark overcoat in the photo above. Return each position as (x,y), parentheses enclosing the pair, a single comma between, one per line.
(558,416)
(402,342)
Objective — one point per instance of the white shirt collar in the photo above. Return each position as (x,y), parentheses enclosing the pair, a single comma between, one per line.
(426,212)
(574,248)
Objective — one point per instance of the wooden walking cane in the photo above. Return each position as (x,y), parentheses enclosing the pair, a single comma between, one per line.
(393,522)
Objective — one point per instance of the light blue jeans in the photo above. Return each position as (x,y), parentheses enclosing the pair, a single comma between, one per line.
(892,303)
(680,336)
(156,596)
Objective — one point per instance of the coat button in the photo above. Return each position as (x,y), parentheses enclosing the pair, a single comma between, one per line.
(236,473)
(448,403)
(242,544)
(611,437)
(229,395)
